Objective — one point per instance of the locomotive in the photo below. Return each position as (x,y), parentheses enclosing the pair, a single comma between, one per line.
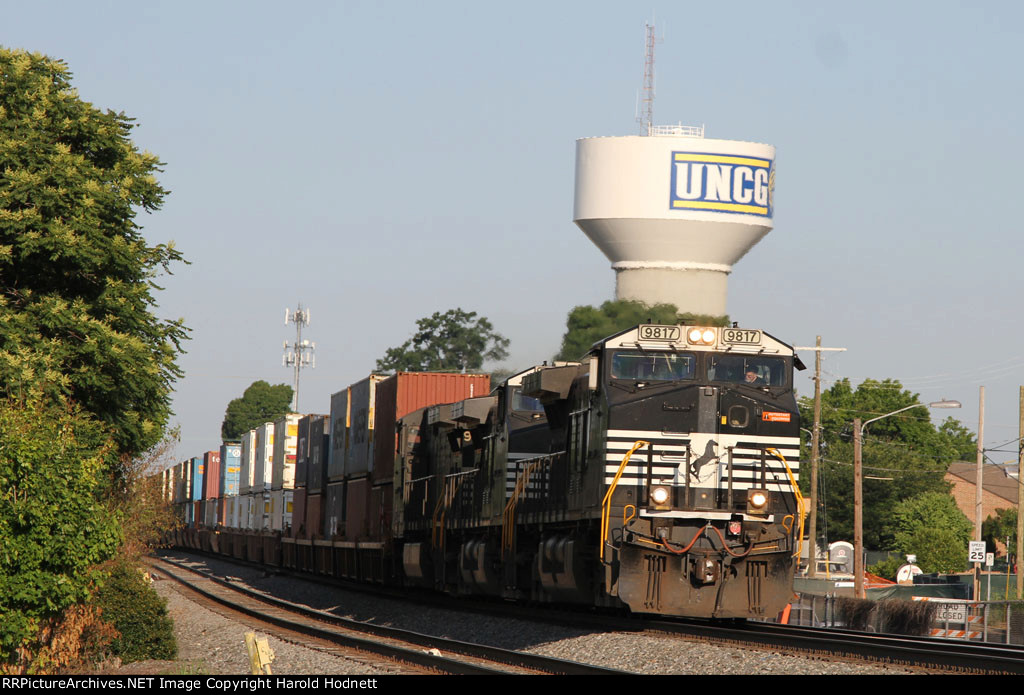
(658,473)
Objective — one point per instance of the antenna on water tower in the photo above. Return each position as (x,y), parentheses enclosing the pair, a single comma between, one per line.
(646,117)
(300,354)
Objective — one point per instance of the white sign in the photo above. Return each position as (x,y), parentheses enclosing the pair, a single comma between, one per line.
(976,551)
(990,559)
(951,612)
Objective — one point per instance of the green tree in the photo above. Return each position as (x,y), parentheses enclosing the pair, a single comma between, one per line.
(1000,527)
(587,324)
(904,455)
(260,403)
(76,275)
(55,529)
(931,526)
(455,341)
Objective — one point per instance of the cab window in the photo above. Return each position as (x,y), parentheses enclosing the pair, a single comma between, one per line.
(750,370)
(653,366)
(521,402)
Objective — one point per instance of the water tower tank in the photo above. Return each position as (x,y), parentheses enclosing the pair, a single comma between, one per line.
(674,211)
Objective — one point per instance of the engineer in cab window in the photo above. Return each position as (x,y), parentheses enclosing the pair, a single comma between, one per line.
(752,378)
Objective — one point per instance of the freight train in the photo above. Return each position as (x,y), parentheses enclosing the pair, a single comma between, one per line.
(658,473)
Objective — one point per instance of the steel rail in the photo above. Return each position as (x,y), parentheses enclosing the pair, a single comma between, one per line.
(922,652)
(508,657)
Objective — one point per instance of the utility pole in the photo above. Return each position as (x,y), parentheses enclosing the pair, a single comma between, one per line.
(979,473)
(812,526)
(302,352)
(1020,498)
(858,511)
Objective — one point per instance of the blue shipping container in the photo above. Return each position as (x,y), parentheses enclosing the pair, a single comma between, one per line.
(230,468)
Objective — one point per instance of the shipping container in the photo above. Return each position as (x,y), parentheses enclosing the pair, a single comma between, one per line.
(230,468)
(227,511)
(277,510)
(404,392)
(286,442)
(184,481)
(357,503)
(379,513)
(334,510)
(280,510)
(211,475)
(319,453)
(302,451)
(339,435)
(267,502)
(353,450)
(314,516)
(298,529)
(177,485)
(264,458)
(195,488)
(247,463)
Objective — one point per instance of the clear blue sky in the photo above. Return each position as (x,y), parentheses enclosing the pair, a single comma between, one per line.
(382,161)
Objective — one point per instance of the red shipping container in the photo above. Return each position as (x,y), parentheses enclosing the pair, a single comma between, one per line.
(399,395)
(314,517)
(211,475)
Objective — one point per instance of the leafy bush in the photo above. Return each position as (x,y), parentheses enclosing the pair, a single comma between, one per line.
(138,613)
(887,568)
(54,525)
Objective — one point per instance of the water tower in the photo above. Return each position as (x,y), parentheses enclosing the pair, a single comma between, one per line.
(674,211)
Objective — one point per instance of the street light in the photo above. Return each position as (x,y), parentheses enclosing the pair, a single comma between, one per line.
(858,495)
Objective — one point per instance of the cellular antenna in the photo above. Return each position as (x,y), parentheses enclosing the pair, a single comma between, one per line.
(646,117)
(301,353)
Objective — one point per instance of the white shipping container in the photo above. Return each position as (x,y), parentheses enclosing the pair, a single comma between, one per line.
(247,462)
(264,459)
(286,440)
(277,510)
(268,511)
(281,509)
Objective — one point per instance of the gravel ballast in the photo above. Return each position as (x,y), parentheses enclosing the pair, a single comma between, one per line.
(211,643)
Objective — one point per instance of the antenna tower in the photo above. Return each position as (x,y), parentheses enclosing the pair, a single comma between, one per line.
(301,353)
(646,116)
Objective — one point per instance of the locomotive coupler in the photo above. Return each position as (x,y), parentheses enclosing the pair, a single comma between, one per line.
(704,569)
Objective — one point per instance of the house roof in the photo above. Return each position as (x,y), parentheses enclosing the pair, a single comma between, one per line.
(994,479)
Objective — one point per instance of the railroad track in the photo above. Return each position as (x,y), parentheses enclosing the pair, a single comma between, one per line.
(929,653)
(424,653)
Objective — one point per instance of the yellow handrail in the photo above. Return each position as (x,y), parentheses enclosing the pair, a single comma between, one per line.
(441,511)
(606,503)
(509,515)
(799,498)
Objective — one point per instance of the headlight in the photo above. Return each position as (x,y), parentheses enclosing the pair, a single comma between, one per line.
(757,501)
(701,336)
(660,495)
